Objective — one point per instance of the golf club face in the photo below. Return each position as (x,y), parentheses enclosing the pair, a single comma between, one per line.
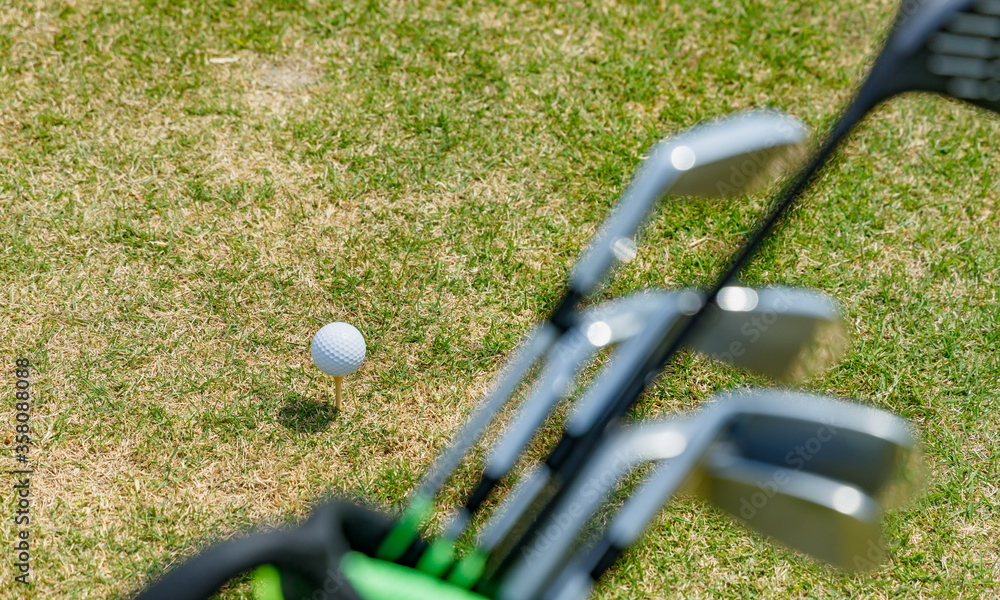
(945,46)
(873,462)
(733,157)
(726,157)
(863,446)
(823,517)
(784,333)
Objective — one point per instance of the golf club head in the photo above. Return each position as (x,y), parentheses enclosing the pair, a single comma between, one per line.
(859,445)
(740,427)
(747,153)
(945,46)
(784,333)
(725,157)
(823,517)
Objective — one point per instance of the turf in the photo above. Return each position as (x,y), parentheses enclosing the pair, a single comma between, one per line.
(190,189)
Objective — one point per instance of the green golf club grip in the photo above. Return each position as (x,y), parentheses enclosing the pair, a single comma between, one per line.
(375,579)
(371,579)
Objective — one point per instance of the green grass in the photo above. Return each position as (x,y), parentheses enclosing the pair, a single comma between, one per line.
(175,229)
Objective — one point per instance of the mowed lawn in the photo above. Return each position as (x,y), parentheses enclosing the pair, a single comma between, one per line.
(190,189)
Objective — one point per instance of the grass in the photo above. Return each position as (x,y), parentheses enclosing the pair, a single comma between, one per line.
(175,227)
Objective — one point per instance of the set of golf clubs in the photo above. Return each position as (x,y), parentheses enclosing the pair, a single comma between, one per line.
(825,468)
(524,549)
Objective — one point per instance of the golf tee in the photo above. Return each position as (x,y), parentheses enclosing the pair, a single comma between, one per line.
(339,386)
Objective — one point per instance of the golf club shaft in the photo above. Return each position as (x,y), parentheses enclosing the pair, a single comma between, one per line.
(586,275)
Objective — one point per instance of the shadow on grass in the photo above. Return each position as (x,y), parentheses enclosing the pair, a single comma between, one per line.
(304,415)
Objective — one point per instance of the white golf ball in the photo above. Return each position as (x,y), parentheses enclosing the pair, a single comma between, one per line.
(338,349)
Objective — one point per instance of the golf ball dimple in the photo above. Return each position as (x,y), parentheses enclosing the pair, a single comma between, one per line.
(338,349)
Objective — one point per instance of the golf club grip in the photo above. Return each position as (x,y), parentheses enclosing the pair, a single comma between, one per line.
(202,575)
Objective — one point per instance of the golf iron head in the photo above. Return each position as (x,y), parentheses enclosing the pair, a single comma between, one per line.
(813,442)
(821,516)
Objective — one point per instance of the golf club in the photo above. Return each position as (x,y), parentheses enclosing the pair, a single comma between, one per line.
(703,161)
(801,446)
